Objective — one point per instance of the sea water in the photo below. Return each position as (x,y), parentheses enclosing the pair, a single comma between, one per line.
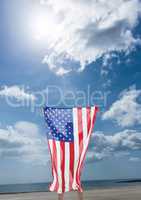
(43,187)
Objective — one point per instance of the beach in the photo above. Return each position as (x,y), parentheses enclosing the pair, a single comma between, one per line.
(118,193)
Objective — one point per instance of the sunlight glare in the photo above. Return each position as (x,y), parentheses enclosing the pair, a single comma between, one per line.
(43,27)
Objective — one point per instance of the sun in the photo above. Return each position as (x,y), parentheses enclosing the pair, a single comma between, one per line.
(40,27)
(44,27)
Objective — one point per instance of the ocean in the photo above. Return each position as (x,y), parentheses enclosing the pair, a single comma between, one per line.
(43,187)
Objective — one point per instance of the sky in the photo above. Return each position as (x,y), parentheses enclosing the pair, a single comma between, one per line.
(64,54)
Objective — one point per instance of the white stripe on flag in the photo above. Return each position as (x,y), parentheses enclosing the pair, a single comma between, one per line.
(67,165)
(59,166)
(76,145)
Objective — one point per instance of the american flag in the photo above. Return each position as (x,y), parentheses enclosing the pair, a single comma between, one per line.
(68,134)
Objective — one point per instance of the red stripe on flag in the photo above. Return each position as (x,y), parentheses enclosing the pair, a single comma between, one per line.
(94,117)
(71,176)
(88,119)
(62,155)
(80,135)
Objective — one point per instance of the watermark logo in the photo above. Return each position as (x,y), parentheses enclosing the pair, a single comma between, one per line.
(55,96)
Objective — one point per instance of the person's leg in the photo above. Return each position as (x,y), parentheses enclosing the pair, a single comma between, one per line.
(80,195)
(61,196)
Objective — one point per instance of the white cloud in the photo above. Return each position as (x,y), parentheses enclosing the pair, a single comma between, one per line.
(107,63)
(16,92)
(118,144)
(55,64)
(85,30)
(127,110)
(24,143)
(135,159)
(61,71)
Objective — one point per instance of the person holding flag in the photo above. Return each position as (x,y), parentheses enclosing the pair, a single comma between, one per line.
(68,135)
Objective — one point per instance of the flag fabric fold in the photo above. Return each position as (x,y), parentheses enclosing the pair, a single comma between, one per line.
(68,136)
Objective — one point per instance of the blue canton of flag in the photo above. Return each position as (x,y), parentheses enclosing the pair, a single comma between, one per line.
(59,124)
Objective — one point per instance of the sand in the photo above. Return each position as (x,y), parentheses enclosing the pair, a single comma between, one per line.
(121,193)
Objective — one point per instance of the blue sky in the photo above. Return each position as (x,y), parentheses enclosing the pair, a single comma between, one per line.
(89,54)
